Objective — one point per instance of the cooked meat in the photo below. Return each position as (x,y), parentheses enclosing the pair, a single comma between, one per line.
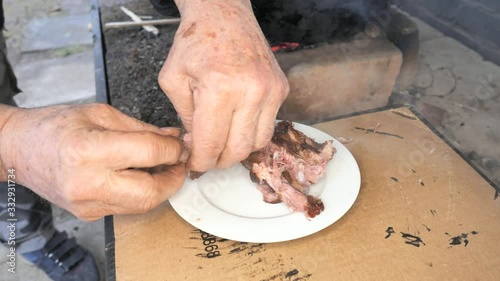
(287,166)
(187,140)
(268,194)
(285,169)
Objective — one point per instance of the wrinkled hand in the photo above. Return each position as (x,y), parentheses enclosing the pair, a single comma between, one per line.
(78,157)
(224,82)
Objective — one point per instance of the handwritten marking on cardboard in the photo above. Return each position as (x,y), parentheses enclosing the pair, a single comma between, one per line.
(389,232)
(409,239)
(462,238)
(379,132)
(247,249)
(426,227)
(421,181)
(292,275)
(412,239)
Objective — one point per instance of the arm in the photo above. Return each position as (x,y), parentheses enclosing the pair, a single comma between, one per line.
(85,158)
(223,80)
(6,113)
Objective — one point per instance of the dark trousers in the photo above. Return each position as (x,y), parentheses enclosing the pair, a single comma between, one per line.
(33,225)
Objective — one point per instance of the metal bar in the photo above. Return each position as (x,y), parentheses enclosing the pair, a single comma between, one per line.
(122,24)
(101,81)
(101,86)
(136,18)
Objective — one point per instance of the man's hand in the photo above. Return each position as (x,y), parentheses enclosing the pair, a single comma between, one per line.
(81,158)
(223,80)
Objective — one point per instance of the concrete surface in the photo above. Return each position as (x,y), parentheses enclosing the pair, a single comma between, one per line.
(75,7)
(475,23)
(426,32)
(20,12)
(57,80)
(459,93)
(447,52)
(57,32)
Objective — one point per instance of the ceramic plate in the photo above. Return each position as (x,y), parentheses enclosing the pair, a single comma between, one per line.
(226,203)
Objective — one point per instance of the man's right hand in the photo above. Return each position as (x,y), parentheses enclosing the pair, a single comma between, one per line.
(224,81)
(85,159)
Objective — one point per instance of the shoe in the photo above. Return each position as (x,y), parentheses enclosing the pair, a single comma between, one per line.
(62,259)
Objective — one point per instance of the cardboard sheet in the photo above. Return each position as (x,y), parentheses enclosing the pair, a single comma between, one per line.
(422,214)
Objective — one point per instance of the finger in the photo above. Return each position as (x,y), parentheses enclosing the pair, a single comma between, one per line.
(134,191)
(179,93)
(171,131)
(211,123)
(267,117)
(265,126)
(131,192)
(241,139)
(137,149)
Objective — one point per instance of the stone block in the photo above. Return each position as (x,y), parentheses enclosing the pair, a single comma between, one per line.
(336,79)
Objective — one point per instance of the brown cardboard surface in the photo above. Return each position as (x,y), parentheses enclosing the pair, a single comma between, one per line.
(444,217)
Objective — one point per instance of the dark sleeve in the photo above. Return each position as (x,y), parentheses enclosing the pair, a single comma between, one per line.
(166,7)
(2,19)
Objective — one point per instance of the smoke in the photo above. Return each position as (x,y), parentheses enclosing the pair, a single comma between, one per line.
(314,21)
(305,21)
(362,8)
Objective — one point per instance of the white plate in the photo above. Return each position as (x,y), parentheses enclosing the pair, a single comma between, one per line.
(226,203)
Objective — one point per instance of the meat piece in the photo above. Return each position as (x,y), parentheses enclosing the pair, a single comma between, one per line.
(294,199)
(285,169)
(268,193)
(287,166)
(187,140)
